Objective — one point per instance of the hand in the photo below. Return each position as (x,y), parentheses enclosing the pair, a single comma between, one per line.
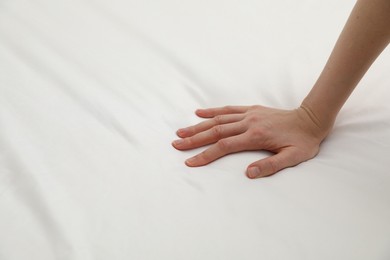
(294,136)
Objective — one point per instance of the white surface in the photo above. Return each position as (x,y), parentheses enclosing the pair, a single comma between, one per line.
(92,92)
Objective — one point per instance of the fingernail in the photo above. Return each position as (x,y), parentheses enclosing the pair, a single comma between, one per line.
(178,142)
(181,132)
(200,111)
(191,161)
(253,172)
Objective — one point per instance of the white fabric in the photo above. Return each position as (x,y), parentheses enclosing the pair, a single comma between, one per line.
(92,92)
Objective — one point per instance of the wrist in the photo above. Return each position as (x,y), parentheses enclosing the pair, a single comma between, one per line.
(323,120)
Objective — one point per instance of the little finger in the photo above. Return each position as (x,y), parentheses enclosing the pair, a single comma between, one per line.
(212,112)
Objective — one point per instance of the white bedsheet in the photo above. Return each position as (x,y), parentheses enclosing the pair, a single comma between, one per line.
(92,92)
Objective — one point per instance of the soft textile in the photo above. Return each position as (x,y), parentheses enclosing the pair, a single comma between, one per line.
(92,92)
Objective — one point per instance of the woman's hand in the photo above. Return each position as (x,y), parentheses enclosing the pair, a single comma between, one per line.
(293,136)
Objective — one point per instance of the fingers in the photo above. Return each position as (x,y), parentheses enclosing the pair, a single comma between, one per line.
(288,157)
(209,136)
(208,124)
(221,148)
(212,112)
(242,128)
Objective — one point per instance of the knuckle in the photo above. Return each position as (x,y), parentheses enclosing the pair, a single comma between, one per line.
(189,141)
(223,145)
(273,165)
(253,119)
(217,131)
(218,119)
(228,108)
(204,157)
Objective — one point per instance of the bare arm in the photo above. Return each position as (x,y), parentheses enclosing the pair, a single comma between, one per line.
(364,37)
(295,135)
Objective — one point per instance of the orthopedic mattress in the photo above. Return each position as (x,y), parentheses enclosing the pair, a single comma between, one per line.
(93,91)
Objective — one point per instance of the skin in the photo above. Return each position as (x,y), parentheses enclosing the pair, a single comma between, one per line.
(294,136)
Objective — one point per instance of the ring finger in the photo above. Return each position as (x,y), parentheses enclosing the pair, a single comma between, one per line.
(208,124)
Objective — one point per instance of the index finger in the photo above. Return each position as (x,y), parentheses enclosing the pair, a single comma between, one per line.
(219,149)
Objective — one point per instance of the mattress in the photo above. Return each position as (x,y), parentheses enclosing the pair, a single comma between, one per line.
(93,91)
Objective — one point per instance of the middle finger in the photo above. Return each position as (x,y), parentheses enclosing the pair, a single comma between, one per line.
(210,136)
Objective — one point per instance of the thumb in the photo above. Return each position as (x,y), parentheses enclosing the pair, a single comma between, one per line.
(287,157)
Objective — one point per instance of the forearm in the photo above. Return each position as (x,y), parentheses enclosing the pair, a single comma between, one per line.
(294,136)
(365,35)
